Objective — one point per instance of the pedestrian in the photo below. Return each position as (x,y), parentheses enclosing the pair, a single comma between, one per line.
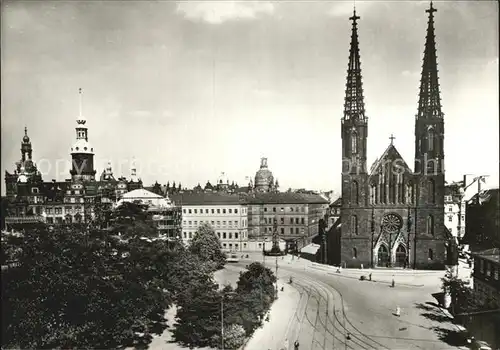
(398,311)
(296,345)
(370,276)
(286,344)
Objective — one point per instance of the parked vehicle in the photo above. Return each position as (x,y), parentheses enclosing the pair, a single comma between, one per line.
(233,258)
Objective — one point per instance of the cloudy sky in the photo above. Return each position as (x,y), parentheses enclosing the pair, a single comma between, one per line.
(192,89)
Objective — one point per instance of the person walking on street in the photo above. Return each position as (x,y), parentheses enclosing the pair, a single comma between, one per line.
(286,344)
(296,345)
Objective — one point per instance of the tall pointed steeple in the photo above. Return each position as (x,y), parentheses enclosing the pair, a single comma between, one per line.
(354,122)
(429,102)
(429,121)
(354,105)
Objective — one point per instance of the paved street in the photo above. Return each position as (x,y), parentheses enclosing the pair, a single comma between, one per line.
(331,306)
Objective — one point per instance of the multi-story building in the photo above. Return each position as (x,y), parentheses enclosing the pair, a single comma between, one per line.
(454,210)
(483,220)
(165,215)
(29,198)
(297,217)
(484,323)
(486,275)
(226,213)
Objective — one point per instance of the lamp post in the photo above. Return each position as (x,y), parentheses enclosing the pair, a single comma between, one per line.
(373,235)
(408,229)
(222,317)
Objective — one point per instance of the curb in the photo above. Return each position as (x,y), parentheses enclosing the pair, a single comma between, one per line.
(376,281)
(395,272)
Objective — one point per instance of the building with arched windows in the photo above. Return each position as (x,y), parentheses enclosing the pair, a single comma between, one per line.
(392,215)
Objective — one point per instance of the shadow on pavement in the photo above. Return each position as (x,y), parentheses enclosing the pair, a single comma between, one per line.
(452,337)
(449,333)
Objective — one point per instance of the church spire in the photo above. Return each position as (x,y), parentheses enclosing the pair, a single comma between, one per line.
(429,103)
(354,105)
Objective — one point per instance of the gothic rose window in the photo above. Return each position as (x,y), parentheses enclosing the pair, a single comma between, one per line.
(391,223)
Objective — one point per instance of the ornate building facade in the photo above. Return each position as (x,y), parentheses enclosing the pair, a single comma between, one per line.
(29,198)
(391,215)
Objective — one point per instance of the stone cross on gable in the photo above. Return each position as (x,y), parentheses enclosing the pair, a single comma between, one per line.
(392,138)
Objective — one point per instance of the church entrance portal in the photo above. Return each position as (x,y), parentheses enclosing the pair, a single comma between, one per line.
(401,256)
(383,256)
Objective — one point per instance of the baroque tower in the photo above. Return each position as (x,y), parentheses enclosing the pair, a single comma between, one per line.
(82,154)
(354,136)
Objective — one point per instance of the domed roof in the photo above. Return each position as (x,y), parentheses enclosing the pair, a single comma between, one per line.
(82,146)
(26,138)
(263,176)
(222,179)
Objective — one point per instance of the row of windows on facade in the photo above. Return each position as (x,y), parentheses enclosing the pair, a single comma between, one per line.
(450,218)
(284,209)
(430,141)
(430,253)
(214,223)
(270,221)
(66,220)
(355,225)
(392,194)
(281,230)
(59,210)
(224,235)
(487,268)
(213,211)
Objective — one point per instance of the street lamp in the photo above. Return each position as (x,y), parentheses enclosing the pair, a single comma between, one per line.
(222,316)
(373,234)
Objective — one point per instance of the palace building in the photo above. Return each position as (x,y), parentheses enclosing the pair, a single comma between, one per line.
(29,199)
(392,215)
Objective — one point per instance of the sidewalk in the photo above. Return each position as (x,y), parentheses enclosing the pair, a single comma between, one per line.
(281,316)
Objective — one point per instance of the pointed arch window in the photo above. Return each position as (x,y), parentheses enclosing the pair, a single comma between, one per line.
(355,193)
(354,142)
(373,194)
(430,225)
(409,193)
(354,253)
(431,188)
(430,140)
(354,224)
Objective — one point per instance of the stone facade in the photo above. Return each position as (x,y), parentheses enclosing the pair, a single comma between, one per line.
(391,215)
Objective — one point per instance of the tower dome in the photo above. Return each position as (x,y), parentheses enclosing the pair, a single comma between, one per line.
(264,178)
(26,138)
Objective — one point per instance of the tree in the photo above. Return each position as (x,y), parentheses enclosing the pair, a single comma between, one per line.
(206,245)
(462,299)
(198,321)
(74,289)
(131,220)
(257,277)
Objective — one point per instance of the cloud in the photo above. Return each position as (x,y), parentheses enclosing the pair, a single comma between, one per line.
(219,12)
(341,9)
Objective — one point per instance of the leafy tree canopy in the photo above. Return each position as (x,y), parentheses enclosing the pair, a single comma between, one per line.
(206,245)
(74,289)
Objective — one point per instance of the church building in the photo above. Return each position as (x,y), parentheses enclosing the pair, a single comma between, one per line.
(392,215)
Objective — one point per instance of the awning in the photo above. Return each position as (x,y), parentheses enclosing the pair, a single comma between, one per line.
(310,248)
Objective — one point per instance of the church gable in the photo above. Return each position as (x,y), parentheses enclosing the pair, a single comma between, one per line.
(390,158)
